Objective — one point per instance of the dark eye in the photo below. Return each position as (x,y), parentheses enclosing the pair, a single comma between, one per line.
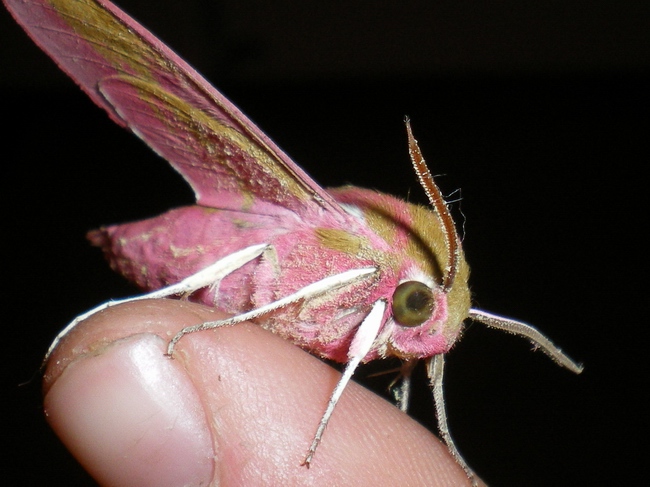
(412,303)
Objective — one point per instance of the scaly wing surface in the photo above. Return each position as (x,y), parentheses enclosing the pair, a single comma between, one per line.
(146,87)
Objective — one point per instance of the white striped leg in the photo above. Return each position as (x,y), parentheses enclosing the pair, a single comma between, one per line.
(361,345)
(201,279)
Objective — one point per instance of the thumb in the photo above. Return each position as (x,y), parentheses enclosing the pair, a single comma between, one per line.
(235,406)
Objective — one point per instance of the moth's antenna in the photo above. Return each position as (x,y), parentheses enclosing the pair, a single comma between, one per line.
(439,206)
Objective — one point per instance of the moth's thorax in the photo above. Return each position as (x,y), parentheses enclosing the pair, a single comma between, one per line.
(418,251)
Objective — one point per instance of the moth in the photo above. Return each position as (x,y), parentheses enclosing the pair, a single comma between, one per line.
(348,274)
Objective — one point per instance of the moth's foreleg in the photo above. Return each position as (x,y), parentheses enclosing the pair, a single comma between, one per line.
(531,333)
(359,348)
(201,279)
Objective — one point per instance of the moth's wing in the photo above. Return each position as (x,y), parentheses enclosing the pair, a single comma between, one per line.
(143,85)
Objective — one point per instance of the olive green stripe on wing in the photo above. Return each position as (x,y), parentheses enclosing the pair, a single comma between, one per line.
(95,42)
(226,167)
(115,43)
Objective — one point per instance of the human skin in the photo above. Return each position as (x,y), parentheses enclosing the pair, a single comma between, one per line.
(236,406)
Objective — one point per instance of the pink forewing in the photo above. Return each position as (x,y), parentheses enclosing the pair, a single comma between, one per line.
(94,42)
(240,175)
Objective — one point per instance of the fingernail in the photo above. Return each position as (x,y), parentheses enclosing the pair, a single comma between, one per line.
(132,416)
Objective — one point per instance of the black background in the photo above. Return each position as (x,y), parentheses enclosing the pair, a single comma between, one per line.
(538,113)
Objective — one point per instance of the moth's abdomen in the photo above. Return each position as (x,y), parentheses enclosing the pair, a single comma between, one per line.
(164,250)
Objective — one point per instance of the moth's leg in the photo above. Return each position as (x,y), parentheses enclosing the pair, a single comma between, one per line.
(314,289)
(435,369)
(201,279)
(359,348)
(400,387)
(523,330)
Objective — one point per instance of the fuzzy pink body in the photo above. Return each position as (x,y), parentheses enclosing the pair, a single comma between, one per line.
(164,250)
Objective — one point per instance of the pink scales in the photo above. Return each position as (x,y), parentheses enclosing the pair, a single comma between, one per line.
(396,237)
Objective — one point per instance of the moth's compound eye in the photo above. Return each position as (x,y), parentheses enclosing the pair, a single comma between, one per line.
(412,303)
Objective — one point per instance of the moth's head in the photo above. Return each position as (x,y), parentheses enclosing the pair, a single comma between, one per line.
(427,290)
(427,310)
